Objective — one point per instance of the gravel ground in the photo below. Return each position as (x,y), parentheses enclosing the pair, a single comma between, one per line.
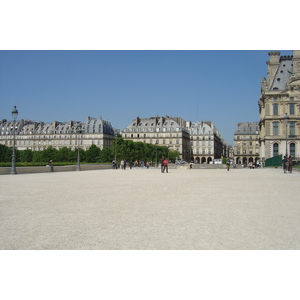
(145,209)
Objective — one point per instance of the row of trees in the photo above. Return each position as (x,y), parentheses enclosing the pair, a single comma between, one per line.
(124,149)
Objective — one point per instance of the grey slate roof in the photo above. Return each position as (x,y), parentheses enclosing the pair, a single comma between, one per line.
(247,128)
(92,125)
(282,76)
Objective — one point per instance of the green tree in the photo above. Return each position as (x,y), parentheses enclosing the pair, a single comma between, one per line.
(64,155)
(37,156)
(45,155)
(107,155)
(26,155)
(173,154)
(50,153)
(149,150)
(93,154)
(5,153)
(139,151)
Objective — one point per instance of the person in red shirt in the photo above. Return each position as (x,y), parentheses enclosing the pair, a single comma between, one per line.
(165,165)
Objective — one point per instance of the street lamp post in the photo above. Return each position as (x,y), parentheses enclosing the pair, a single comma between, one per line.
(116,135)
(78,130)
(156,143)
(286,119)
(14,114)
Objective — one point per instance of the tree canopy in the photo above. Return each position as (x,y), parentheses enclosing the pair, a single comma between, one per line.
(122,149)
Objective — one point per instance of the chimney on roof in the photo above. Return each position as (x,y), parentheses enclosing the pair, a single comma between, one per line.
(296,62)
(273,65)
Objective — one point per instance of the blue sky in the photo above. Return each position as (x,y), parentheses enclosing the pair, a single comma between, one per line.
(121,85)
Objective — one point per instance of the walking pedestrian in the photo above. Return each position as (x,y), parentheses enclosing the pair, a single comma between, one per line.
(165,165)
(290,164)
(228,164)
(162,164)
(285,163)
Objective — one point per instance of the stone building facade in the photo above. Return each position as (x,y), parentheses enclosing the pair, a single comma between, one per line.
(197,142)
(39,136)
(161,131)
(246,143)
(279,107)
(206,142)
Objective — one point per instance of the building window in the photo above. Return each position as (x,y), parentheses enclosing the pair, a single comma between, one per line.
(292,149)
(275,109)
(292,128)
(275,128)
(275,99)
(275,149)
(291,98)
(292,108)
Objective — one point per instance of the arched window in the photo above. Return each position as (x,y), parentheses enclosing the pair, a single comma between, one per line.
(275,149)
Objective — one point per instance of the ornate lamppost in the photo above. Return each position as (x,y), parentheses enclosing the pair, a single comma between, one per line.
(116,135)
(156,143)
(78,130)
(14,114)
(286,120)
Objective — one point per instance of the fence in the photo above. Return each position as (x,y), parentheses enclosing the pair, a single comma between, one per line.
(275,161)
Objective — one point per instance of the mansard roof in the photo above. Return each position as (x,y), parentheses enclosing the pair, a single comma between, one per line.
(283,74)
(201,128)
(247,128)
(92,125)
(166,122)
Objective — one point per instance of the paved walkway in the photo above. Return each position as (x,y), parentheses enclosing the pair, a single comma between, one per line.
(145,209)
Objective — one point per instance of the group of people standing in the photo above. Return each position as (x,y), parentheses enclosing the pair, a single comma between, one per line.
(135,164)
(123,164)
(164,164)
(287,164)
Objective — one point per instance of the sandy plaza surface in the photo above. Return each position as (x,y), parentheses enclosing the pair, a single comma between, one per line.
(144,209)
